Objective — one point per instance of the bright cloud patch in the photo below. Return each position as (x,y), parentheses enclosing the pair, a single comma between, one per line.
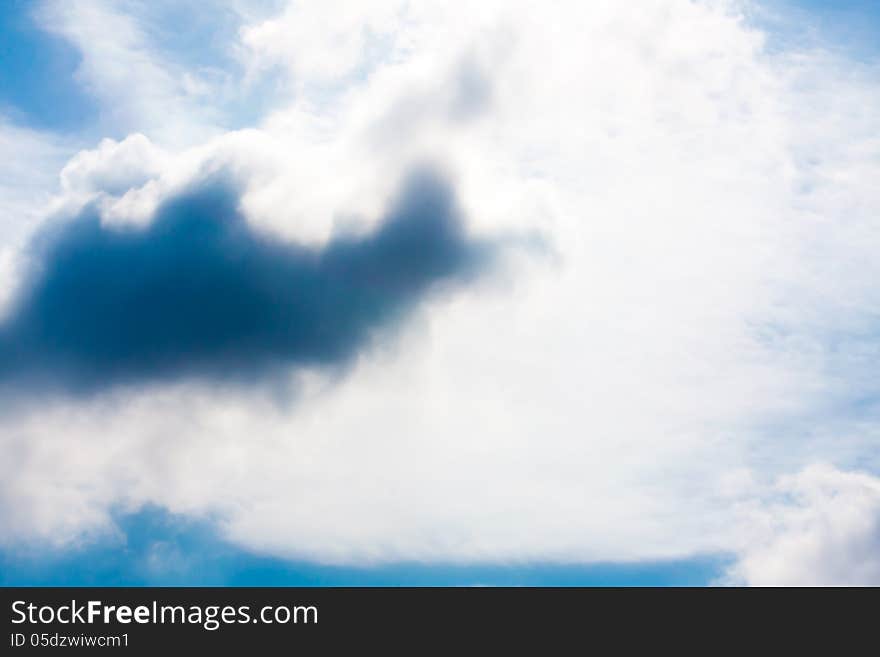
(819,527)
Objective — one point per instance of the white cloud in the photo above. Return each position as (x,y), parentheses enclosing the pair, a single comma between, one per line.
(28,180)
(118,66)
(709,311)
(324,42)
(113,167)
(140,83)
(819,527)
(28,175)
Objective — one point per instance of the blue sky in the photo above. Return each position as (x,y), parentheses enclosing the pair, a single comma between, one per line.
(42,84)
(316,139)
(31,55)
(38,86)
(848,26)
(164,550)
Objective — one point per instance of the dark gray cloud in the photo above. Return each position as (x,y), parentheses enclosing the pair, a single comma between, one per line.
(200,293)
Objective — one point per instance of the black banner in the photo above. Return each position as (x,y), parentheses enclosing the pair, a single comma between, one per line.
(413,620)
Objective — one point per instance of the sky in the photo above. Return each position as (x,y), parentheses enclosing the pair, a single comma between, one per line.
(419,293)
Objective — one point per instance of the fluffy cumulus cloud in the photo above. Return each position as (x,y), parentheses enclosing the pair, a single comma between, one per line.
(685,314)
(818,527)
